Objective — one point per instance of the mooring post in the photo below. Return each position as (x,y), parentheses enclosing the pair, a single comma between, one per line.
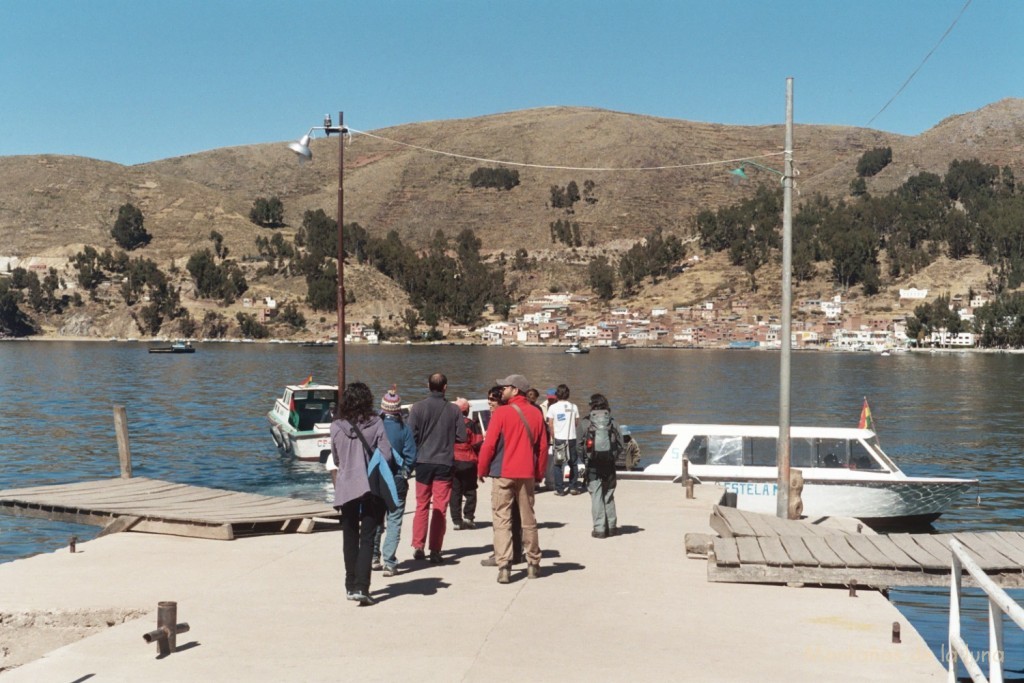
(124,451)
(167,630)
(687,482)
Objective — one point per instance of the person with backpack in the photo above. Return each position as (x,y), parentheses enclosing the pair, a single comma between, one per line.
(600,442)
(357,432)
(563,417)
(403,452)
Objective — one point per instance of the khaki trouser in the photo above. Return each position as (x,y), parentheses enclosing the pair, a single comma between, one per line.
(504,494)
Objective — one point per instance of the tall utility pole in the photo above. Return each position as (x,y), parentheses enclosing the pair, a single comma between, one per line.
(305,154)
(783,449)
(341,248)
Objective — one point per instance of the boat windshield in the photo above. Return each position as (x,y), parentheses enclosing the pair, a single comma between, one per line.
(313,406)
(761,451)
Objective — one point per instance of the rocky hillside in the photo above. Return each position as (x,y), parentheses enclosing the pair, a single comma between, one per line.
(52,205)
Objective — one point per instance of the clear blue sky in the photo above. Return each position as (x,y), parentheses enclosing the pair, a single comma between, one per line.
(138,80)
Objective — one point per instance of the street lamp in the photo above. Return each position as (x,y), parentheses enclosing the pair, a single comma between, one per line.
(306,154)
(783,448)
(742,175)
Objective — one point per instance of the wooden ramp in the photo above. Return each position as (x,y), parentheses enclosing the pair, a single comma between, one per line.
(780,551)
(151,505)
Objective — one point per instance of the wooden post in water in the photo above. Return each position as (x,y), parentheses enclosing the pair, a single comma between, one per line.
(124,451)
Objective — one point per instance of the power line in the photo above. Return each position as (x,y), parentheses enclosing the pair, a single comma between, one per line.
(521,164)
(926,58)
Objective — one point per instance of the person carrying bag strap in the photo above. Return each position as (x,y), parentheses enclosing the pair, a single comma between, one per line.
(379,475)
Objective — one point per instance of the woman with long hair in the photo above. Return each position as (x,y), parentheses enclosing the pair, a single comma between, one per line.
(361,511)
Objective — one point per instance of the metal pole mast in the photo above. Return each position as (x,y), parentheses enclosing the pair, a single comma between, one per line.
(341,255)
(783,452)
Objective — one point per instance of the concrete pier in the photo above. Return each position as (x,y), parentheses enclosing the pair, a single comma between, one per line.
(631,607)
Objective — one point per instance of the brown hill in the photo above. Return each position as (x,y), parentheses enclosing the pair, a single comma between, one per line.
(51,205)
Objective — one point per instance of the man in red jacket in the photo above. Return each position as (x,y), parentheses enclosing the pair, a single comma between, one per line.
(515,454)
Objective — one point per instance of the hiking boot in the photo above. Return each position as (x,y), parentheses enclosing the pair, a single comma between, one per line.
(560,493)
(435,557)
(376,566)
(390,571)
(363,598)
(598,534)
(489,561)
(350,595)
(575,492)
(613,531)
(418,554)
(457,525)
(533,571)
(504,575)
(469,524)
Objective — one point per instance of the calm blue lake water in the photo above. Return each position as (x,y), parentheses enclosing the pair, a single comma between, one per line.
(199,419)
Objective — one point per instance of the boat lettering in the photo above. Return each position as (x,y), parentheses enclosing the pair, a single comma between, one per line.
(752,488)
(323,443)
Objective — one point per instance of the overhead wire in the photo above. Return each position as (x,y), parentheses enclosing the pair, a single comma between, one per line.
(521,164)
(919,66)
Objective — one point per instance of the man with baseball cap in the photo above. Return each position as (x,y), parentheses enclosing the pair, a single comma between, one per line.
(514,454)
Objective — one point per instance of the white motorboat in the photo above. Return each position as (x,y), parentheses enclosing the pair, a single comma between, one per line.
(300,421)
(576,347)
(845,472)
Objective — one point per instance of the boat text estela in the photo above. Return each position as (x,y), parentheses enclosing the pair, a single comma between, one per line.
(845,472)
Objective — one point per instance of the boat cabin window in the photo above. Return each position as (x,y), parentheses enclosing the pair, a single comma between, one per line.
(313,406)
(860,458)
(483,417)
(761,451)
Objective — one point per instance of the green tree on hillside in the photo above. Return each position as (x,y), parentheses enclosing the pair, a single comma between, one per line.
(602,278)
(129,230)
(267,213)
(873,161)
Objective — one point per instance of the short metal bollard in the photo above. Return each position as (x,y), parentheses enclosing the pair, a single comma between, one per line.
(689,488)
(167,630)
(72,542)
(853,588)
(896,632)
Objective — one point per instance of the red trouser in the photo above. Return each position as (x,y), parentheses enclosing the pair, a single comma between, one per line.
(431,498)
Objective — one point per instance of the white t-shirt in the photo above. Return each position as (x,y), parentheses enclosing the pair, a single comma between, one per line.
(564,416)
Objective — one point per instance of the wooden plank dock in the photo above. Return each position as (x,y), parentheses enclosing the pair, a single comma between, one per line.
(155,506)
(756,548)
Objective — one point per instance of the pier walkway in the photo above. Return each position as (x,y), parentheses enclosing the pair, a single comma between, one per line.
(631,607)
(757,548)
(155,506)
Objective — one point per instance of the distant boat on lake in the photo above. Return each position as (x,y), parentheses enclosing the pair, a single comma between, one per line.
(176,347)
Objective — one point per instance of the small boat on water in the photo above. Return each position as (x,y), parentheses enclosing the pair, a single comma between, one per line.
(300,421)
(845,472)
(577,348)
(176,347)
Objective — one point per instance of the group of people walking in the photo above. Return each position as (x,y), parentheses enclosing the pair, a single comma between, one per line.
(377,453)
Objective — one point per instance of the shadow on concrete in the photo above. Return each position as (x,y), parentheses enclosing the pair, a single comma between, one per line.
(550,525)
(424,586)
(627,530)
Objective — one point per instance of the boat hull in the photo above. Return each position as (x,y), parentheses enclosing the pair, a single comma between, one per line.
(309,445)
(897,502)
(845,472)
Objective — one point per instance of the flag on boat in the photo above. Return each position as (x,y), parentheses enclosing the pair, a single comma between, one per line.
(293,414)
(308,381)
(866,421)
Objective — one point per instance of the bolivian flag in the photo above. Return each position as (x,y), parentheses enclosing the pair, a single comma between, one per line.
(308,381)
(866,421)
